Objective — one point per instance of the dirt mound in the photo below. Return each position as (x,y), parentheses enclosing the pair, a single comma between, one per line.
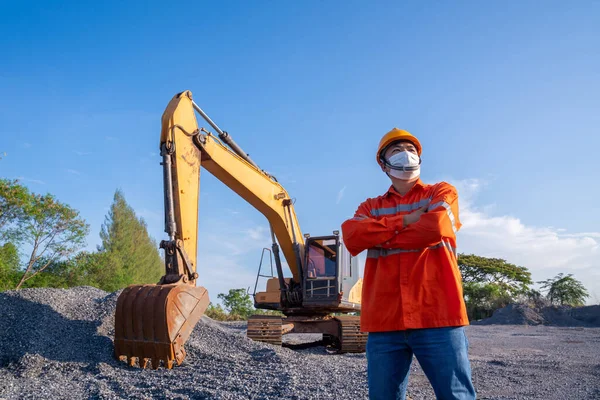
(524,314)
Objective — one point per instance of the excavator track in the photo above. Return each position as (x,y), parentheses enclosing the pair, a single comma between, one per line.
(351,339)
(265,328)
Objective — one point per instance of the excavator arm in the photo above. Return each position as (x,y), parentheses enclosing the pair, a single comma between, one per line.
(195,149)
(153,321)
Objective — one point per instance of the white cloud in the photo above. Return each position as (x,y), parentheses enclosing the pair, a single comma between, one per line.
(37,181)
(545,251)
(27,145)
(258,234)
(579,235)
(340,195)
(82,153)
(73,171)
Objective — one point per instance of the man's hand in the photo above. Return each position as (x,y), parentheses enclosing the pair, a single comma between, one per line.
(414,216)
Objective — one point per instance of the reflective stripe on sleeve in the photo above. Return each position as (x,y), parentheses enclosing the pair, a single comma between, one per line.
(448,211)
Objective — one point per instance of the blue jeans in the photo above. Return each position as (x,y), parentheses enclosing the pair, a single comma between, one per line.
(441,352)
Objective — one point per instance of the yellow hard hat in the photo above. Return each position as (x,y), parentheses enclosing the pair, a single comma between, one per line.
(393,136)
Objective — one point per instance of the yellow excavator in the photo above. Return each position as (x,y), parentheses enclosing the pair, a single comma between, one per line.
(152,322)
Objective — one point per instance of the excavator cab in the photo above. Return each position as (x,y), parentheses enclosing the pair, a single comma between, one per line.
(330,279)
(331,275)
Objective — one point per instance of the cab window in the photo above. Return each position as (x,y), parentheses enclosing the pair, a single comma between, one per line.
(322,258)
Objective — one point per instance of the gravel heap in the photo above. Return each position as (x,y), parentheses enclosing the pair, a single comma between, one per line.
(57,343)
(524,314)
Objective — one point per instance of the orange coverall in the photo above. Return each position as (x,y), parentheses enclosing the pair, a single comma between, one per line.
(411,277)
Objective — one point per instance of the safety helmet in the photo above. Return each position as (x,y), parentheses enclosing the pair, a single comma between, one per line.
(393,136)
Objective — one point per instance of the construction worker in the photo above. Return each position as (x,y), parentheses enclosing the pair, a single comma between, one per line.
(412,299)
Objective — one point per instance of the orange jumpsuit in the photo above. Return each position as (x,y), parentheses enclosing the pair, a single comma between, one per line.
(411,277)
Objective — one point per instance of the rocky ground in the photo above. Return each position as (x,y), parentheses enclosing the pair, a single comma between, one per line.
(57,344)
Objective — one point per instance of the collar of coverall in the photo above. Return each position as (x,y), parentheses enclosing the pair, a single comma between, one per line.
(392,190)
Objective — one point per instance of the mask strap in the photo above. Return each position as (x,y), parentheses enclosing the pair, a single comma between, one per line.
(407,169)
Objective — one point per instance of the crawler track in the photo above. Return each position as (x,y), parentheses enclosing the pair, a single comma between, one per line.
(270,329)
(351,339)
(265,328)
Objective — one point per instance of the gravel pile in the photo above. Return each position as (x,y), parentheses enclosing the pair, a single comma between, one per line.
(523,314)
(57,344)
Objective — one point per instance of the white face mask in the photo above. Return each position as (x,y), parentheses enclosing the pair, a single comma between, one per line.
(408,165)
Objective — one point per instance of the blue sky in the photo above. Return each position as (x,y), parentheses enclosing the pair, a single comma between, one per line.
(504,97)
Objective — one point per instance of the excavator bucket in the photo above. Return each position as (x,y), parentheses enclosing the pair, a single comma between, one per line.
(152,322)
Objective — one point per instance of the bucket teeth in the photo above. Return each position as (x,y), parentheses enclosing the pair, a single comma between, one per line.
(152,322)
(180,355)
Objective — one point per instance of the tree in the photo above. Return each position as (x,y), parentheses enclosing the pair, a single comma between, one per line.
(129,253)
(491,283)
(9,266)
(51,229)
(237,302)
(508,277)
(565,290)
(78,270)
(14,199)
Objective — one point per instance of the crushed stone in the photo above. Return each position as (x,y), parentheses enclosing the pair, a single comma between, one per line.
(57,343)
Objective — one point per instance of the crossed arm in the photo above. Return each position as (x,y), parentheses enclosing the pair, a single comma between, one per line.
(422,228)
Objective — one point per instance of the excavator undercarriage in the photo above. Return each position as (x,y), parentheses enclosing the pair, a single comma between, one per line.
(339,332)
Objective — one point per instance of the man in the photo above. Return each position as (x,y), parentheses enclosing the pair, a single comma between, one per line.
(412,301)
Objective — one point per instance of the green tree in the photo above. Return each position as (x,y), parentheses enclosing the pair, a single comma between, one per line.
(14,200)
(129,254)
(491,283)
(217,313)
(50,230)
(565,290)
(237,302)
(9,266)
(78,270)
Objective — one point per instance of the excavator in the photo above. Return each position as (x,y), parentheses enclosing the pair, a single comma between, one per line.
(322,295)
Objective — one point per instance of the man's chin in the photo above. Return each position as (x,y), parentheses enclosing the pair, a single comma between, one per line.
(403,181)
